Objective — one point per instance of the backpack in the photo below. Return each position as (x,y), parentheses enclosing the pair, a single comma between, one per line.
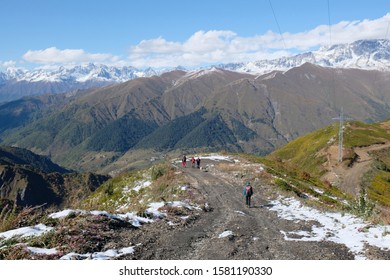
(248,190)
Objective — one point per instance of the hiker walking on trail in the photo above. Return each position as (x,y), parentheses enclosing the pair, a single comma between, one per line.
(193,162)
(248,192)
(184,161)
(198,162)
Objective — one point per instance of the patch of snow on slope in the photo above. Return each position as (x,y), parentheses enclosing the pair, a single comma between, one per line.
(141,185)
(65,213)
(226,233)
(109,254)
(42,251)
(26,231)
(130,216)
(344,229)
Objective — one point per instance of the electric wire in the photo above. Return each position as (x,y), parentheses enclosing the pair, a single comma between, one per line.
(329,24)
(277,23)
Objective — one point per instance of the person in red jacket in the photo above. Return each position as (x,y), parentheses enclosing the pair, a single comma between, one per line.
(184,161)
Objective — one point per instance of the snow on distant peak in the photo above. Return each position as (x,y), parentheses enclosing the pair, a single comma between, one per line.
(362,54)
(199,73)
(80,73)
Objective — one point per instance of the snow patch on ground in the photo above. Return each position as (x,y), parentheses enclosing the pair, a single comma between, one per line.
(217,157)
(42,251)
(141,185)
(344,229)
(240,213)
(135,220)
(106,255)
(226,233)
(66,213)
(213,157)
(131,217)
(25,232)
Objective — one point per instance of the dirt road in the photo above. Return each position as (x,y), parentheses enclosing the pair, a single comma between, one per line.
(351,177)
(255,231)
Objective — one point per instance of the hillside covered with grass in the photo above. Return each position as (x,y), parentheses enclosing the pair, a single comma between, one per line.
(365,166)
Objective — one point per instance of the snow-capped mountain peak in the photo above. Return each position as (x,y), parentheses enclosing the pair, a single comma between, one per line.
(362,54)
(82,73)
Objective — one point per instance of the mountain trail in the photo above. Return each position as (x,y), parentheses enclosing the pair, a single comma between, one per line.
(230,230)
(349,177)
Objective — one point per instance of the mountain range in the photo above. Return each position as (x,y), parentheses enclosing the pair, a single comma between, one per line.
(16,82)
(362,54)
(204,110)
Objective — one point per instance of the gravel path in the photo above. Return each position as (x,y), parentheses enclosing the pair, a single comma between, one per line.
(230,230)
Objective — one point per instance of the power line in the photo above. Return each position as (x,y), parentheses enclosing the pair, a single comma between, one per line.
(332,88)
(341,117)
(341,135)
(277,23)
(330,26)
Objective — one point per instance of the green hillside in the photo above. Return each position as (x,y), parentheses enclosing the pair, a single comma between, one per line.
(302,153)
(310,155)
(168,135)
(120,135)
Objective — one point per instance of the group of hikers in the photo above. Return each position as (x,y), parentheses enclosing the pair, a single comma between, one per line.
(193,161)
(247,192)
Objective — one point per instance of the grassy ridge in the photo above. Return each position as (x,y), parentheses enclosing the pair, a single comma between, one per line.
(358,134)
(302,153)
(304,157)
(379,187)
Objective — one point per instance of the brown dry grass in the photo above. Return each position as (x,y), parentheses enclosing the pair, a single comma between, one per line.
(384,216)
(12,217)
(228,167)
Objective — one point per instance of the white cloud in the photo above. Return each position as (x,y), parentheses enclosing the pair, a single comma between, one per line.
(215,46)
(203,47)
(223,46)
(52,56)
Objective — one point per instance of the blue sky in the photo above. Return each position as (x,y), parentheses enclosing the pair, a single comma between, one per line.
(43,33)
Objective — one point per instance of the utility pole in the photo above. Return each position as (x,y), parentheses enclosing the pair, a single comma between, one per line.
(341,134)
